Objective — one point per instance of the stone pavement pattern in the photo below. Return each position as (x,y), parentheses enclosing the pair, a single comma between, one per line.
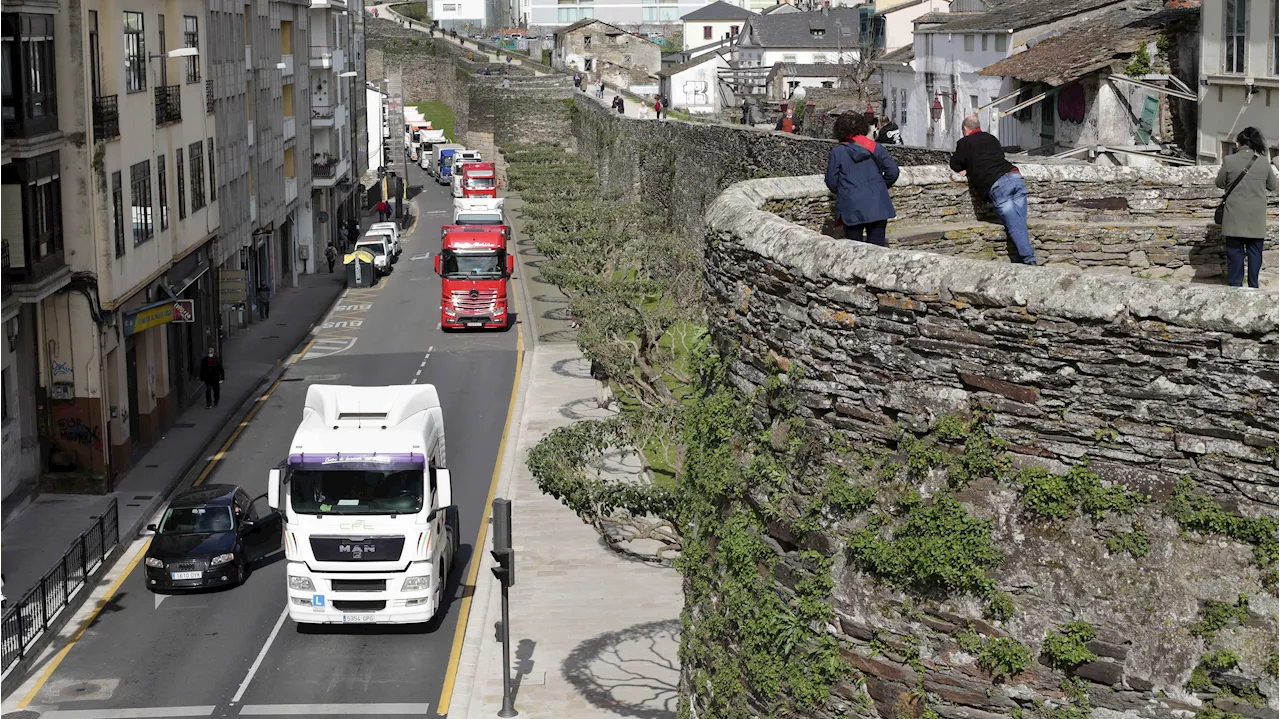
(593,634)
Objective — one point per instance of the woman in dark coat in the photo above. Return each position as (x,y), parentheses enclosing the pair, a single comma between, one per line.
(1244,218)
(860,173)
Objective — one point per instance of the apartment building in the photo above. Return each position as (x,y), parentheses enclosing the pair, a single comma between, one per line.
(338,126)
(1239,73)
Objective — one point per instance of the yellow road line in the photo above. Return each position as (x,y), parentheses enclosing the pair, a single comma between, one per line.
(213,461)
(477,557)
(102,604)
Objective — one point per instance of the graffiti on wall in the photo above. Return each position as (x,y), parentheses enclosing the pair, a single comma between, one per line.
(77,436)
(61,369)
(75,431)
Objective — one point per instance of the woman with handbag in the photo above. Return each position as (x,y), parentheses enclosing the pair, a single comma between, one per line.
(1248,180)
(860,173)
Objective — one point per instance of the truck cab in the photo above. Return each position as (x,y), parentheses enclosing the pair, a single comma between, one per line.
(481,211)
(444,157)
(370,527)
(475,272)
(479,179)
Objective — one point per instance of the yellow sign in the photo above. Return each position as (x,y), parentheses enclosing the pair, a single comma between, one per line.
(148,317)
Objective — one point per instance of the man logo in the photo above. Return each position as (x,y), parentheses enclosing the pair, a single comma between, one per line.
(356,550)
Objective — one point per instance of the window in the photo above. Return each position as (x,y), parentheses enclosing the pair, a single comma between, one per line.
(1275,39)
(135,53)
(191,35)
(586,41)
(828,84)
(1235,13)
(1002,43)
(819,59)
(968,43)
(162,192)
(660,11)
(733,30)
(449,7)
(902,96)
(140,202)
(984,42)
(586,64)
(196,155)
(626,59)
(34,184)
(6,393)
(117,205)
(30,94)
(182,184)
(788,58)
(213,182)
(164,48)
(973,103)
(706,32)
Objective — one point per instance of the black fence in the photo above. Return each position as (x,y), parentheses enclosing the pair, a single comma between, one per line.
(24,621)
(168,104)
(106,118)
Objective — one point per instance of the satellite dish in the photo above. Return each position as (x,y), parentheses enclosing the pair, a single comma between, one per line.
(799,94)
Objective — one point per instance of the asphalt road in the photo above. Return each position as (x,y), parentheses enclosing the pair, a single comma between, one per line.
(215,653)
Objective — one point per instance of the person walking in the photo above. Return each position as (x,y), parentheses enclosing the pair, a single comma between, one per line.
(264,301)
(577,81)
(889,133)
(787,122)
(600,90)
(657,107)
(860,173)
(506,83)
(211,374)
(1243,212)
(980,159)
(331,255)
(383,209)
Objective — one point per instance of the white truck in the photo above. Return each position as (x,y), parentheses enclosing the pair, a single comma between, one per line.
(370,529)
(481,211)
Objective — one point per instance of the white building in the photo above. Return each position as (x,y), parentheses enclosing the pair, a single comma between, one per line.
(894,20)
(1239,52)
(710,23)
(376,121)
(695,85)
(337,82)
(785,78)
(464,15)
(638,16)
(807,38)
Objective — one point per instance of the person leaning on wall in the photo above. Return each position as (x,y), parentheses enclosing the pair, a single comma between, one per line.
(1249,181)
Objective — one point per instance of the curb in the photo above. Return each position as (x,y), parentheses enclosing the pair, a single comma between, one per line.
(20,672)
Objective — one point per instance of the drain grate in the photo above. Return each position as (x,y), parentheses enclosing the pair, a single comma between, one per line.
(133,504)
(144,496)
(184,425)
(272,337)
(152,466)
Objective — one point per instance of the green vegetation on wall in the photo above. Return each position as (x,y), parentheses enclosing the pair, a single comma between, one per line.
(440,115)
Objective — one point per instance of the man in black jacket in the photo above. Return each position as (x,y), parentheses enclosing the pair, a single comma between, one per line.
(212,375)
(980,158)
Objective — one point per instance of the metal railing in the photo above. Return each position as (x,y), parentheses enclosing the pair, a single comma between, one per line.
(324,170)
(168,104)
(106,117)
(27,619)
(323,112)
(208,96)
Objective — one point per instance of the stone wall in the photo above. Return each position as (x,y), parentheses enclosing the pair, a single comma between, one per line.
(1154,223)
(1148,381)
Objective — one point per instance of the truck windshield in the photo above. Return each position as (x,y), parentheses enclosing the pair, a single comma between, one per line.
(356,491)
(481,264)
(466,219)
(447,161)
(481,183)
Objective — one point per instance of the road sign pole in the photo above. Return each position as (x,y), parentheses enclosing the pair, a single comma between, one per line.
(505,572)
(508,707)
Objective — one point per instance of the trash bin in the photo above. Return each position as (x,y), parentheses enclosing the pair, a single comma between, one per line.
(359,268)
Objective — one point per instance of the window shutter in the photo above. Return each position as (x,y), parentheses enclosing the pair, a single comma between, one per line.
(11,224)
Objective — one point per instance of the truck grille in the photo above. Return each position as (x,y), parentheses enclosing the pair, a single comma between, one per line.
(359,605)
(357,549)
(480,304)
(359,585)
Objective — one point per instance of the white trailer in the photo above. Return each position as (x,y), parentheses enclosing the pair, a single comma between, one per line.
(370,528)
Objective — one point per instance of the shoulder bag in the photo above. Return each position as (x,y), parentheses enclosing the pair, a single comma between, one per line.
(1217,213)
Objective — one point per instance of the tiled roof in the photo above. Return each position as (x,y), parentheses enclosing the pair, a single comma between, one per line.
(1017,15)
(796,69)
(796,29)
(901,56)
(718,10)
(780,7)
(1085,48)
(677,69)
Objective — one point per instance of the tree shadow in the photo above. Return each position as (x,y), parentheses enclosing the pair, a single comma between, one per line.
(633,672)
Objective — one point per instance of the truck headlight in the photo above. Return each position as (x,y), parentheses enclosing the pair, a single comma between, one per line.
(499,309)
(221,559)
(153,562)
(450,311)
(416,584)
(302,584)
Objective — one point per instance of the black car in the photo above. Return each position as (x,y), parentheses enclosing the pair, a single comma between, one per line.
(208,537)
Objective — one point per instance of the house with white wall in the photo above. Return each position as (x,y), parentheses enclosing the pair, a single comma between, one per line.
(695,85)
(1239,52)
(894,20)
(807,38)
(713,22)
(786,77)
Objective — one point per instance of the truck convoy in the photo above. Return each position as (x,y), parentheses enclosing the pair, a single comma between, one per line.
(443,164)
(480,211)
(474,270)
(370,528)
(479,179)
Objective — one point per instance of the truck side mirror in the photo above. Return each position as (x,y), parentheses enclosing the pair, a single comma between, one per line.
(273,489)
(444,489)
(511,265)
(437,264)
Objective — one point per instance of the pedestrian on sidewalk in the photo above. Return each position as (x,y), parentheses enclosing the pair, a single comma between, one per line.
(506,83)
(264,301)
(384,210)
(211,374)
(787,122)
(604,392)
(331,254)
(657,108)
(600,90)
(979,157)
(644,112)
(577,81)
(860,173)
(1243,214)
(617,103)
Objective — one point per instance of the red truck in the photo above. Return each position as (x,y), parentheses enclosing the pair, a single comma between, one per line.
(479,179)
(474,270)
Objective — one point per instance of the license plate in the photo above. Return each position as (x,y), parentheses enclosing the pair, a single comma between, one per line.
(185,575)
(357,618)
(475,324)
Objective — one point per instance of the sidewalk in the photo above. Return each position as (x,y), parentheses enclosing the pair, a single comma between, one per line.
(593,634)
(35,539)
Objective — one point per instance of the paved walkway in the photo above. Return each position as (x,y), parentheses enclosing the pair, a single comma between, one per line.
(593,634)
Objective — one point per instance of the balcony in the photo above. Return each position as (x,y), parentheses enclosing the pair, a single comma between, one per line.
(34,263)
(323,115)
(290,128)
(328,172)
(106,117)
(168,104)
(335,4)
(290,189)
(248,57)
(253,208)
(288,64)
(252,135)
(208,96)
(321,57)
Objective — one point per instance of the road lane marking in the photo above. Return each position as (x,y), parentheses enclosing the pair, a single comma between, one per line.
(142,713)
(141,552)
(464,611)
(244,685)
(213,461)
(335,709)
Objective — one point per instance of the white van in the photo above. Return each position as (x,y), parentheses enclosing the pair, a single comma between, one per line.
(455,188)
(392,233)
(380,248)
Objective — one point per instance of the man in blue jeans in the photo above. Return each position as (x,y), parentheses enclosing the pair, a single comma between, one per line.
(980,158)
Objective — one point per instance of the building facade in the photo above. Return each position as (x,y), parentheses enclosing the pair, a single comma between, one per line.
(1239,52)
(336,96)
(709,23)
(603,51)
(805,38)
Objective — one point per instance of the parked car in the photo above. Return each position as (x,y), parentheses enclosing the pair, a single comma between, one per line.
(392,233)
(379,246)
(209,536)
